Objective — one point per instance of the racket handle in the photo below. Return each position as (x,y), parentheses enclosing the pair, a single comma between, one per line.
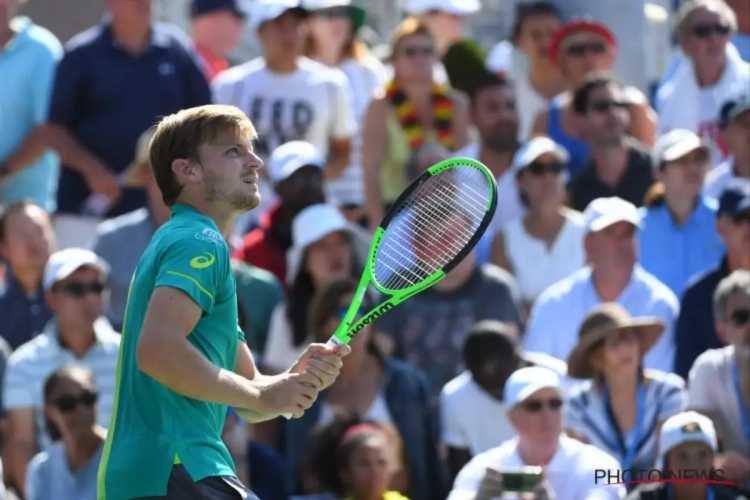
(332,342)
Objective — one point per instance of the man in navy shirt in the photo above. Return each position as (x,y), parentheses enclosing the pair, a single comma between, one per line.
(115,80)
(695,332)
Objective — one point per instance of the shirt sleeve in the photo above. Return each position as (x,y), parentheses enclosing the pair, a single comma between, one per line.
(18,387)
(35,479)
(344,123)
(467,482)
(44,83)
(700,390)
(575,412)
(66,93)
(451,433)
(537,336)
(197,267)
(673,397)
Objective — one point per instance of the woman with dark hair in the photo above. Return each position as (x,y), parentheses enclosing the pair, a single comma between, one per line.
(68,469)
(375,387)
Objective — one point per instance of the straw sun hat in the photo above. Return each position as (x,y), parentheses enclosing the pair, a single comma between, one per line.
(603,321)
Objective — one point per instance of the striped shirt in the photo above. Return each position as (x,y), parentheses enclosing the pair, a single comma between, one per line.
(31,364)
(587,416)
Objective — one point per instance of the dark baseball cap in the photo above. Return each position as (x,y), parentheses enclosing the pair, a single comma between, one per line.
(732,109)
(733,201)
(202,7)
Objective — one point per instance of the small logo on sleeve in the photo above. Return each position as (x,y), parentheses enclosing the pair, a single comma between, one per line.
(211,236)
(202,261)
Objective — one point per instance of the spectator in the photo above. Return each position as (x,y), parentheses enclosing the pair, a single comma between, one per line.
(621,408)
(289,97)
(26,241)
(535,26)
(332,40)
(613,275)
(580,48)
(396,131)
(375,387)
(473,414)
(693,97)
(695,332)
(67,469)
(535,398)
(295,169)
(687,441)
(618,164)
(74,283)
(545,245)
(29,55)
(428,329)
(679,239)
(113,83)
(217,30)
(741,37)
(735,129)
(326,247)
(719,378)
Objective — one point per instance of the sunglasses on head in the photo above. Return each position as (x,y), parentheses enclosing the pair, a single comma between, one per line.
(69,402)
(739,317)
(79,289)
(333,12)
(537,405)
(706,30)
(416,50)
(579,49)
(604,106)
(540,168)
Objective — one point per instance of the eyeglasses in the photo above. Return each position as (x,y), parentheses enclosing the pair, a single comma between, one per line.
(415,50)
(77,290)
(333,13)
(537,405)
(69,402)
(579,49)
(740,217)
(706,30)
(539,168)
(605,106)
(739,317)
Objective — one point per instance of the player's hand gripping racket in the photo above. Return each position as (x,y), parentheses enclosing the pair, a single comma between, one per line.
(427,232)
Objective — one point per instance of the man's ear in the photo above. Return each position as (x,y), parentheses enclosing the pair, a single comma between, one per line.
(186,171)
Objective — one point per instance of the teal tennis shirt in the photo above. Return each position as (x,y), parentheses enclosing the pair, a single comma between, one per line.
(152,427)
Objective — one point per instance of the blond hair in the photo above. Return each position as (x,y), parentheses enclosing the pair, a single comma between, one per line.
(682,18)
(411,26)
(181,135)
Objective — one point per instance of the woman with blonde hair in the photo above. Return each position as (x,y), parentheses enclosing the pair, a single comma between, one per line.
(415,121)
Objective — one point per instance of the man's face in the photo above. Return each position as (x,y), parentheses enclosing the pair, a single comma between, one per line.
(737,136)
(283,36)
(735,329)
(226,29)
(539,417)
(734,231)
(585,52)
(613,249)
(684,176)
(707,37)
(607,117)
(78,300)
(133,10)
(536,35)
(493,372)
(29,240)
(445,26)
(230,172)
(694,456)
(496,117)
(303,188)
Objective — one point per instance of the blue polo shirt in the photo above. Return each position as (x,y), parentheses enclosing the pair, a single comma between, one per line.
(27,71)
(675,254)
(107,97)
(24,315)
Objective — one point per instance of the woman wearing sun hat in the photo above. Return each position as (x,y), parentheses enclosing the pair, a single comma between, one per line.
(620,408)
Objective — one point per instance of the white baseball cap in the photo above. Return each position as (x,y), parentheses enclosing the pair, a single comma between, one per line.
(523,383)
(262,11)
(290,157)
(457,7)
(604,212)
(500,58)
(675,144)
(309,226)
(533,149)
(65,262)
(686,427)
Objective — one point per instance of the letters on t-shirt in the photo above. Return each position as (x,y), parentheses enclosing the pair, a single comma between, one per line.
(280,120)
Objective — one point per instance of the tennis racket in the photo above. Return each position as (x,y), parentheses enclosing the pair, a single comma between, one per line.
(427,232)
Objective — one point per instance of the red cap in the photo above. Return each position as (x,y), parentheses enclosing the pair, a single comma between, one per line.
(574,27)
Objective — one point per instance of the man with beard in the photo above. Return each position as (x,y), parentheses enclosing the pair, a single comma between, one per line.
(183,358)
(719,382)
(494,114)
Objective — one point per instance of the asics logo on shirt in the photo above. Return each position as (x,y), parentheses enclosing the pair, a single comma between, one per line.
(202,261)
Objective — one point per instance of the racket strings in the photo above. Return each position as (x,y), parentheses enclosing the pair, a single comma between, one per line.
(432,227)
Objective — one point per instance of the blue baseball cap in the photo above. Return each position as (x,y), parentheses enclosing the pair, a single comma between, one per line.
(734,200)
(202,7)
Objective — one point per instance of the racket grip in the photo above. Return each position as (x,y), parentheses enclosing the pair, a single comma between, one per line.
(332,342)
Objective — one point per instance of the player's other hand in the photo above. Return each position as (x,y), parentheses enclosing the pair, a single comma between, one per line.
(288,393)
(323,362)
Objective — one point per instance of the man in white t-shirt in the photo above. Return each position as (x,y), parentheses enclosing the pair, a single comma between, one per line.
(719,382)
(474,415)
(535,398)
(289,97)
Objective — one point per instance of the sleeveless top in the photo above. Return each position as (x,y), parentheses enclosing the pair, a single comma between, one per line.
(529,104)
(534,265)
(577,149)
(378,411)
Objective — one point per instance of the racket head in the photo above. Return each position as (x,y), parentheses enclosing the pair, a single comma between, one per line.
(432,226)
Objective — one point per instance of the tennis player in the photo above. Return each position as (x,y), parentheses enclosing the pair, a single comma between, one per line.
(183,359)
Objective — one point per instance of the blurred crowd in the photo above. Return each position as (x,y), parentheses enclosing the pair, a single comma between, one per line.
(602,322)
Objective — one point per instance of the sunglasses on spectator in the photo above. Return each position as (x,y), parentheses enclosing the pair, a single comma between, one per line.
(739,317)
(537,405)
(77,290)
(417,50)
(706,30)
(579,49)
(740,217)
(537,168)
(605,106)
(69,402)
(333,13)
